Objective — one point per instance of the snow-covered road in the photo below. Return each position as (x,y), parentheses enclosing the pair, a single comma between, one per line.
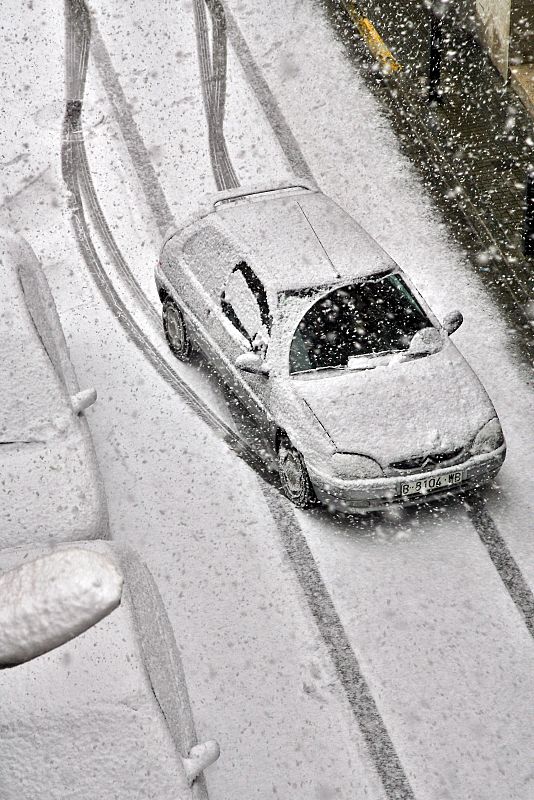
(382,657)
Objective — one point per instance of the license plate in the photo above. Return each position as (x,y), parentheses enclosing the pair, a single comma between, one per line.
(431,484)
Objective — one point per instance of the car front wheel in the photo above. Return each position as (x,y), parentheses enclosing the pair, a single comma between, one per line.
(294,476)
(176,330)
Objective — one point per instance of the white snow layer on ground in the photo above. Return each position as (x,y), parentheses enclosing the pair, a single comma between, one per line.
(441,643)
(259,677)
(51,599)
(355,158)
(423,608)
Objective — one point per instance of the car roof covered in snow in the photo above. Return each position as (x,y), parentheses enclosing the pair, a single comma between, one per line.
(297,237)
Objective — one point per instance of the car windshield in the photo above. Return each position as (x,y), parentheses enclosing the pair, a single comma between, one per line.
(378,316)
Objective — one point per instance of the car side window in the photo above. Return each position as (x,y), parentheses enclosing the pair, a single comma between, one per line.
(240,305)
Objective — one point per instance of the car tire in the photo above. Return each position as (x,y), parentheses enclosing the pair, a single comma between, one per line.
(294,476)
(176,330)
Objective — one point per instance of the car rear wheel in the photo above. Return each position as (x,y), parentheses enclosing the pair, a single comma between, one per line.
(294,476)
(176,330)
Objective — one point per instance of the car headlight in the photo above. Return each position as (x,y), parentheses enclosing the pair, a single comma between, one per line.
(354,467)
(489,438)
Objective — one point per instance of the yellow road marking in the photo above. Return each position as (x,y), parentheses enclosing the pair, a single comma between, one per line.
(372,39)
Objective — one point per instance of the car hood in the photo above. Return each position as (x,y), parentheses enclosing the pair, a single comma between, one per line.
(429,405)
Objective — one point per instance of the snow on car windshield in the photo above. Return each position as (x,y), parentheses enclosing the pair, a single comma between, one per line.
(376,316)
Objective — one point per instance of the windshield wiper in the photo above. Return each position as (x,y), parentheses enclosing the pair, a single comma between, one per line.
(370,360)
(317,369)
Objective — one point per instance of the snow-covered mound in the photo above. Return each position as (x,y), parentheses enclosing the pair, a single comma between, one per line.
(48,601)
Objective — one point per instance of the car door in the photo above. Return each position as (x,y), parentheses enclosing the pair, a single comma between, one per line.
(242,315)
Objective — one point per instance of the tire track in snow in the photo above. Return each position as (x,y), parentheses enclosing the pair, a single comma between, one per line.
(81,30)
(101,225)
(273,113)
(75,164)
(212,64)
(379,744)
(503,561)
(77,33)
(78,178)
(155,198)
(213,81)
(213,73)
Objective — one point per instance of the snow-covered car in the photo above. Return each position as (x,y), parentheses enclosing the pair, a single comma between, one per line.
(93,695)
(357,386)
(51,488)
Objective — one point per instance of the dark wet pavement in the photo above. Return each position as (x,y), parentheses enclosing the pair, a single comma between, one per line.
(474,147)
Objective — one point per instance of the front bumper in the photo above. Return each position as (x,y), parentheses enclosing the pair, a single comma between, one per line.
(376,494)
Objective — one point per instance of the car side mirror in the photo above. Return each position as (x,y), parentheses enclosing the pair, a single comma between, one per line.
(252,362)
(260,342)
(50,600)
(453,321)
(82,400)
(200,757)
